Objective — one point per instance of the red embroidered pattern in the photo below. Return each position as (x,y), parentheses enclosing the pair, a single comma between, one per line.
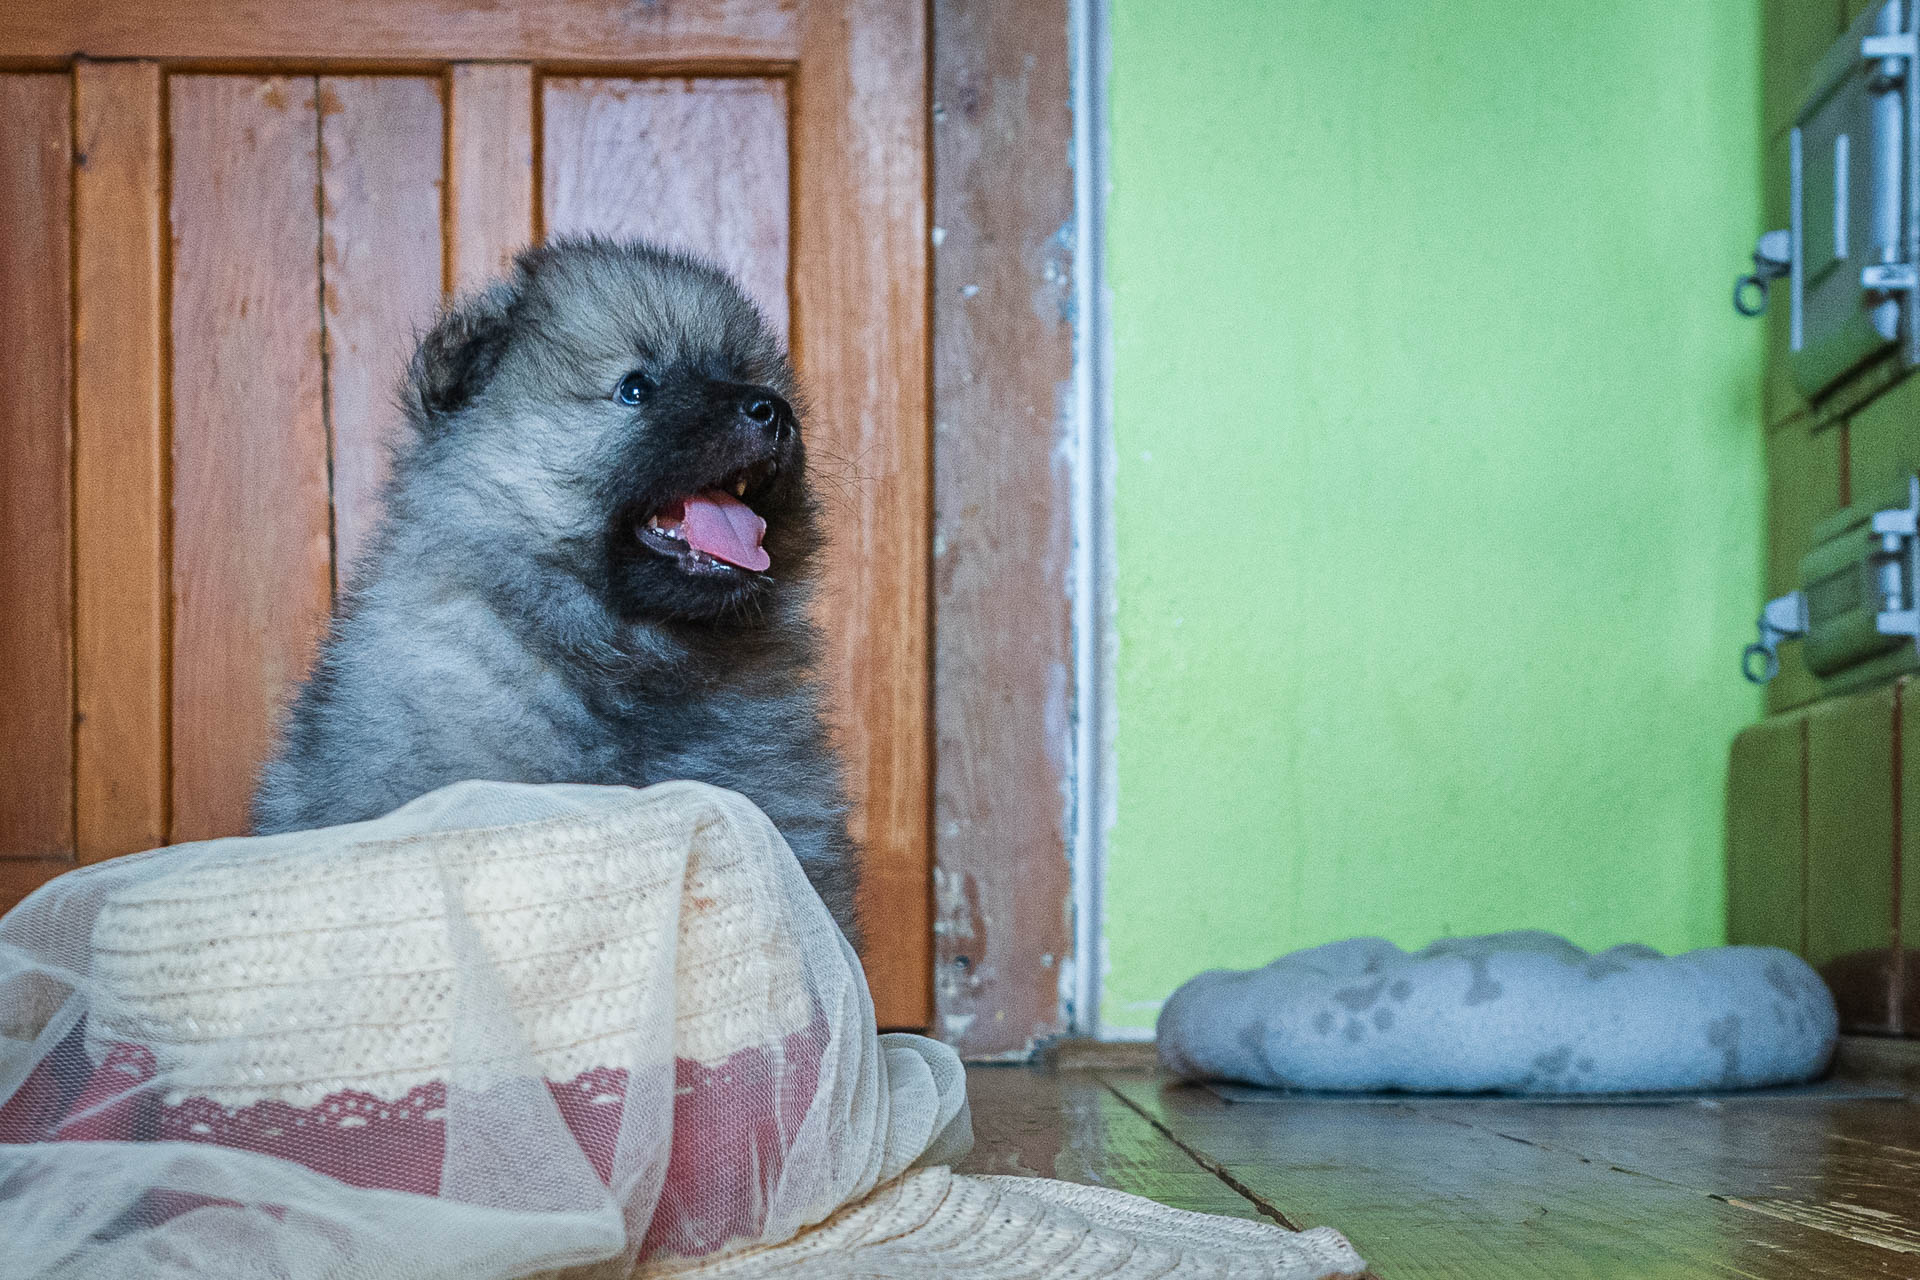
(733,1125)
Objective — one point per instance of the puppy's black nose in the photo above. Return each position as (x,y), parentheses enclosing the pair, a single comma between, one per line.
(767,411)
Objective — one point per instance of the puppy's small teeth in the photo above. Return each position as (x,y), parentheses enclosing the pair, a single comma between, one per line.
(673,530)
(740,489)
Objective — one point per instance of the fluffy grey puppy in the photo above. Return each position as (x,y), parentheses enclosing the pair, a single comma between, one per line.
(594,564)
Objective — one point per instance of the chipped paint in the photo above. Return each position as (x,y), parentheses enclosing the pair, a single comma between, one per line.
(1055,296)
(956,899)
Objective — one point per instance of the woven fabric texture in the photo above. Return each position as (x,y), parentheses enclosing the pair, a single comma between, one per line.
(934,1222)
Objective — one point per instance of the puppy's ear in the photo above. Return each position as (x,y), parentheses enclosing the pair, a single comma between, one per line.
(457,358)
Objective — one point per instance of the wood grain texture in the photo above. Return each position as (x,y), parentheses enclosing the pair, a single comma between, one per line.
(1766,841)
(1441,1195)
(699,165)
(21,876)
(251,563)
(489,170)
(726,31)
(860,342)
(1035,1124)
(381,156)
(1002,508)
(1883,445)
(36,452)
(1879,1060)
(1793,35)
(122,571)
(1903,961)
(1846,1170)
(1485,1187)
(1850,852)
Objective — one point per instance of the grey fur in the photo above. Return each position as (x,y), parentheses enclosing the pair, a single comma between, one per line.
(507,623)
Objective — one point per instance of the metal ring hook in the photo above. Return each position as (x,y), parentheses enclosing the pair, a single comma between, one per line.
(1769,664)
(1740,289)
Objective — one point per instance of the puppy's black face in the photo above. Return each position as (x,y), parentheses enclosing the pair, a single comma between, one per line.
(624,416)
(708,501)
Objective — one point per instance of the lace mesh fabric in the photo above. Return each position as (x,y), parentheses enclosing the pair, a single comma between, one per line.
(510,1031)
(505,1030)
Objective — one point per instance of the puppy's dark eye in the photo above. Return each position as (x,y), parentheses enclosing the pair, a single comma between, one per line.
(633,388)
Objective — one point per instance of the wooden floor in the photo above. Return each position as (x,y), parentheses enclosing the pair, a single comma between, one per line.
(1789,1189)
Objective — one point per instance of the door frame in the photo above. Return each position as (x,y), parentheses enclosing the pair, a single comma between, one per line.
(1022,610)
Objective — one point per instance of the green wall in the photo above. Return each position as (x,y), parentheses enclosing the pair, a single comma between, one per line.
(1438,492)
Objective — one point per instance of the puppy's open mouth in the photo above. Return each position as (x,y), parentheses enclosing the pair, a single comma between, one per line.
(713,531)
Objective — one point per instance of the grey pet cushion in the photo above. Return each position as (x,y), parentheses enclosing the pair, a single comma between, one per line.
(1510,1012)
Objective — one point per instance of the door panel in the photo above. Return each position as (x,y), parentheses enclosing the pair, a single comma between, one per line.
(36,632)
(382,151)
(697,164)
(489,169)
(122,561)
(232,383)
(252,565)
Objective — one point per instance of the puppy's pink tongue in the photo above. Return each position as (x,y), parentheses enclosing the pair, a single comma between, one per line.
(726,529)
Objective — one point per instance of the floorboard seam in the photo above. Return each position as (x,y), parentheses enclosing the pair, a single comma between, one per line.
(1216,1168)
(1565,1153)
(1202,1159)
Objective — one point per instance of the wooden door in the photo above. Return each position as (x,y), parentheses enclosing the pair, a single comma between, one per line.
(224,226)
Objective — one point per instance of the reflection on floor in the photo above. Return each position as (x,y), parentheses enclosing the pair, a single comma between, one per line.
(1471,1189)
